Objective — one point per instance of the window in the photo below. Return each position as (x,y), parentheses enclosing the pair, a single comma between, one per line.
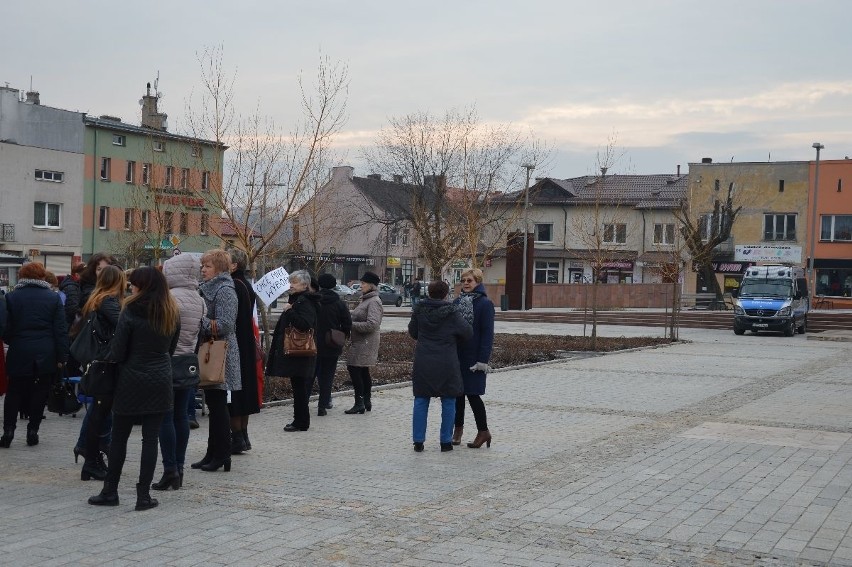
(835,282)
(705,226)
(159,146)
(146,216)
(205,181)
(544,232)
(780,185)
(836,228)
(196,151)
(170,176)
(105,166)
(103,218)
(546,272)
(168,221)
(405,237)
(146,174)
(184,223)
(205,221)
(129,216)
(184,178)
(130,174)
(664,233)
(43,175)
(47,215)
(118,140)
(615,233)
(393,235)
(779,227)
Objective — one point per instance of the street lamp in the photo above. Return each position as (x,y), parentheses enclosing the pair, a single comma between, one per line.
(811,272)
(529,167)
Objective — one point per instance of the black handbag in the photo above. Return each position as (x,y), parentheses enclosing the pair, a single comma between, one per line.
(92,342)
(62,397)
(185,371)
(99,378)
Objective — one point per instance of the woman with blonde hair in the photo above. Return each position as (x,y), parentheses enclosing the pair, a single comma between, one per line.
(144,341)
(105,301)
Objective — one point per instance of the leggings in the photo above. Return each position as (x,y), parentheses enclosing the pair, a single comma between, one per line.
(121,427)
(478,408)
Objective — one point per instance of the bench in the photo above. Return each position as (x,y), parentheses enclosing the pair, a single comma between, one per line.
(706,301)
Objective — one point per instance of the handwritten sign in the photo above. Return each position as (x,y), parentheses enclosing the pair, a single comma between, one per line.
(272,285)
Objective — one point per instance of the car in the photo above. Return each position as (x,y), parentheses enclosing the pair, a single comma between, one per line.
(343,290)
(387,294)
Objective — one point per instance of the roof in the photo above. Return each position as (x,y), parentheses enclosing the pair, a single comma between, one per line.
(120,126)
(228,228)
(393,197)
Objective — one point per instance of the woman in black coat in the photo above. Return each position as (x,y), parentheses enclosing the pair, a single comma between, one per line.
(300,312)
(438,327)
(38,348)
(243,402)
(333,314)
(144,340)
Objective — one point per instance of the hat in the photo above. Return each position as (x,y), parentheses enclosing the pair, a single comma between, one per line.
(327,281)
(370,278)
(314,282)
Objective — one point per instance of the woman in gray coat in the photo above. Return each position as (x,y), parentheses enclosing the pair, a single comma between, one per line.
(364,350)
(437,326)
(220,298)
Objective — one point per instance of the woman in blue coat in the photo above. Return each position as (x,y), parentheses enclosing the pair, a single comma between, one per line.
(474,355)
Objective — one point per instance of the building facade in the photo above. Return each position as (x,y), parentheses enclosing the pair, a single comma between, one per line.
(832,243)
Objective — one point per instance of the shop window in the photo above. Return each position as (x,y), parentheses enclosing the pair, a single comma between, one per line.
(837,283)
(546,272)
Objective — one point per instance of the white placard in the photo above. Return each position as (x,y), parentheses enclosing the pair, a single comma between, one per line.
(768,253)
(272,285)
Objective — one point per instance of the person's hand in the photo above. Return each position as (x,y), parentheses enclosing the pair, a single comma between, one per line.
(480,367)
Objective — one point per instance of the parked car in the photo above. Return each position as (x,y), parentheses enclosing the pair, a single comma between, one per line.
(387,293)
(343,290)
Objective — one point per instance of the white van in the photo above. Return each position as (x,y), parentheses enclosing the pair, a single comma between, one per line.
(772,298)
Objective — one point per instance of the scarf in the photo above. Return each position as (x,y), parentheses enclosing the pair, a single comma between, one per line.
(26,281)
(465,304)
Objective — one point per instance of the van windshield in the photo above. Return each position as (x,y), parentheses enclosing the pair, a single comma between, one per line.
(766,288)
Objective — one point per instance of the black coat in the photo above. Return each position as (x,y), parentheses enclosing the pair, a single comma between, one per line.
(35,331)
(302,316)
(333,314)
(438,328)
(2,314)
(144,384)
(244,330)
(72,292)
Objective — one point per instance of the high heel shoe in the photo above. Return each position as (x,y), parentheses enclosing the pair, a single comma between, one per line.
(357,408)
(92,471)
(169,479)
(215,465)
(77,452)
(458,433)
(207,458)
(481,437)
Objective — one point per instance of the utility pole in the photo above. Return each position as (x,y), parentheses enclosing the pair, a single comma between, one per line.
(529,167)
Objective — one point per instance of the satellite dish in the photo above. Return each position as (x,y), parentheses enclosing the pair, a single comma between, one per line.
(141,102)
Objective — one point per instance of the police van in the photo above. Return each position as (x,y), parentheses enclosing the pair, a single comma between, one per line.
(772,298)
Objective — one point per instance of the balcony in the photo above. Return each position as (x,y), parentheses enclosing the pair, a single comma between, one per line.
(7,232)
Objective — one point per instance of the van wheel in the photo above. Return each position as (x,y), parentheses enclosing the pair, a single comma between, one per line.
(738,331)
(791,329)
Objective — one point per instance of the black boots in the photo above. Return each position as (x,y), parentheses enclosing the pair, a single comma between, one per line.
(8,435)
(246,439)
(107,497)
(207,458)
(238,442)
(143,498)
(32,436)
(215,464)
(458,433)
(358,407)
(446,447)
(94,468)
(170,479)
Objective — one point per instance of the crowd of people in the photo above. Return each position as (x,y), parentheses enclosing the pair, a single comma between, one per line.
(153,321)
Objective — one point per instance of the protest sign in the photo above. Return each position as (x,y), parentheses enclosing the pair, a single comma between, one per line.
(272,285)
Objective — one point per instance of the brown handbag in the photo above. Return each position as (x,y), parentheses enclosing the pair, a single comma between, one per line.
(211,359)
(299,343)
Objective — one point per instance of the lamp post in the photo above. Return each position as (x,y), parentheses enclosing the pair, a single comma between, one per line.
(529,167)
(811,272)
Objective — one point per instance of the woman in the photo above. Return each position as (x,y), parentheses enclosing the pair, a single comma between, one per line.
(364,350)
(438,328)
(333,314)
(220,299)
(300,312)
(181,274)
(474,355)
(70,286)
(243,402)
(144,340)
(38,348)
(89,274)
(105,300)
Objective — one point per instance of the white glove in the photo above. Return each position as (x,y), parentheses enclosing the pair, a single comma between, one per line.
(480,367)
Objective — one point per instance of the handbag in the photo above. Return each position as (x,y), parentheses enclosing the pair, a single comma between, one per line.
(92,341)
(211,359)
(335,338)
(61,397)
(98,379)
(185,371)
(299,343)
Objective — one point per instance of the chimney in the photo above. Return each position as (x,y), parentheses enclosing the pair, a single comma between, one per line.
(678,170)
(435,181)
(706,160)
(151,118)
(397,178)
(376,176)
(342,173)
(33,97)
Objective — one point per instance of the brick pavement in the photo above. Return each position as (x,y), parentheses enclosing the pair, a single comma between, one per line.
(721,451)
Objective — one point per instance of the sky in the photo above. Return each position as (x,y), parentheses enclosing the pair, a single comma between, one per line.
(669,82)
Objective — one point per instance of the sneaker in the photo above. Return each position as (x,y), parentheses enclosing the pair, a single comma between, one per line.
(193,424)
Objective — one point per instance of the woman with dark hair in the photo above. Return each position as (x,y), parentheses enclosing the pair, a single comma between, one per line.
(70,286)
(244,402)
(300,312)
(220,298)
(364,349)
(474,355)
(333,314)
(105,301)
(38,348)
(144,340)
(89,274)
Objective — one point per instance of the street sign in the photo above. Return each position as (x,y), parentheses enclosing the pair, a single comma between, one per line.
(176,252)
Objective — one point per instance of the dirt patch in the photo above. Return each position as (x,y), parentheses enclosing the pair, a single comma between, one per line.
(396,352)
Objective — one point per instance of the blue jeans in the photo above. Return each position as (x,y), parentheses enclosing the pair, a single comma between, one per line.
(106,428)
(174,433)
(421,413)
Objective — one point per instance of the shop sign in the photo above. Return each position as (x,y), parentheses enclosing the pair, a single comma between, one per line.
(460,264)
(731,267)
(618,265)
(333,258)
(393,262)
(768,253)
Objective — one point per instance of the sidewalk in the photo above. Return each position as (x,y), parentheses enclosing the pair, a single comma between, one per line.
(723,450)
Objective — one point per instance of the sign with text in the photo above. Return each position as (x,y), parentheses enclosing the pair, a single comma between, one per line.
(272,285)
(768,253)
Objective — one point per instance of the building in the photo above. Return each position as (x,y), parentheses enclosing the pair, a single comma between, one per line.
(833,232)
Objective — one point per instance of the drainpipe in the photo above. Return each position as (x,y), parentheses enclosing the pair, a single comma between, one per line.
(642,246)
(94,187)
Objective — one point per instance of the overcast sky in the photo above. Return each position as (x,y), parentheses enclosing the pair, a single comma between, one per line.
(672,81)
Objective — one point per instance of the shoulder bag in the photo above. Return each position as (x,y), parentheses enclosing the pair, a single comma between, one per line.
(299,343)
(335,338)
(61,398)
(92,341)
(98,379)
(211,359)
(185,371)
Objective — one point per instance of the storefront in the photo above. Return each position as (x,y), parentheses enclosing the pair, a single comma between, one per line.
(833,277)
